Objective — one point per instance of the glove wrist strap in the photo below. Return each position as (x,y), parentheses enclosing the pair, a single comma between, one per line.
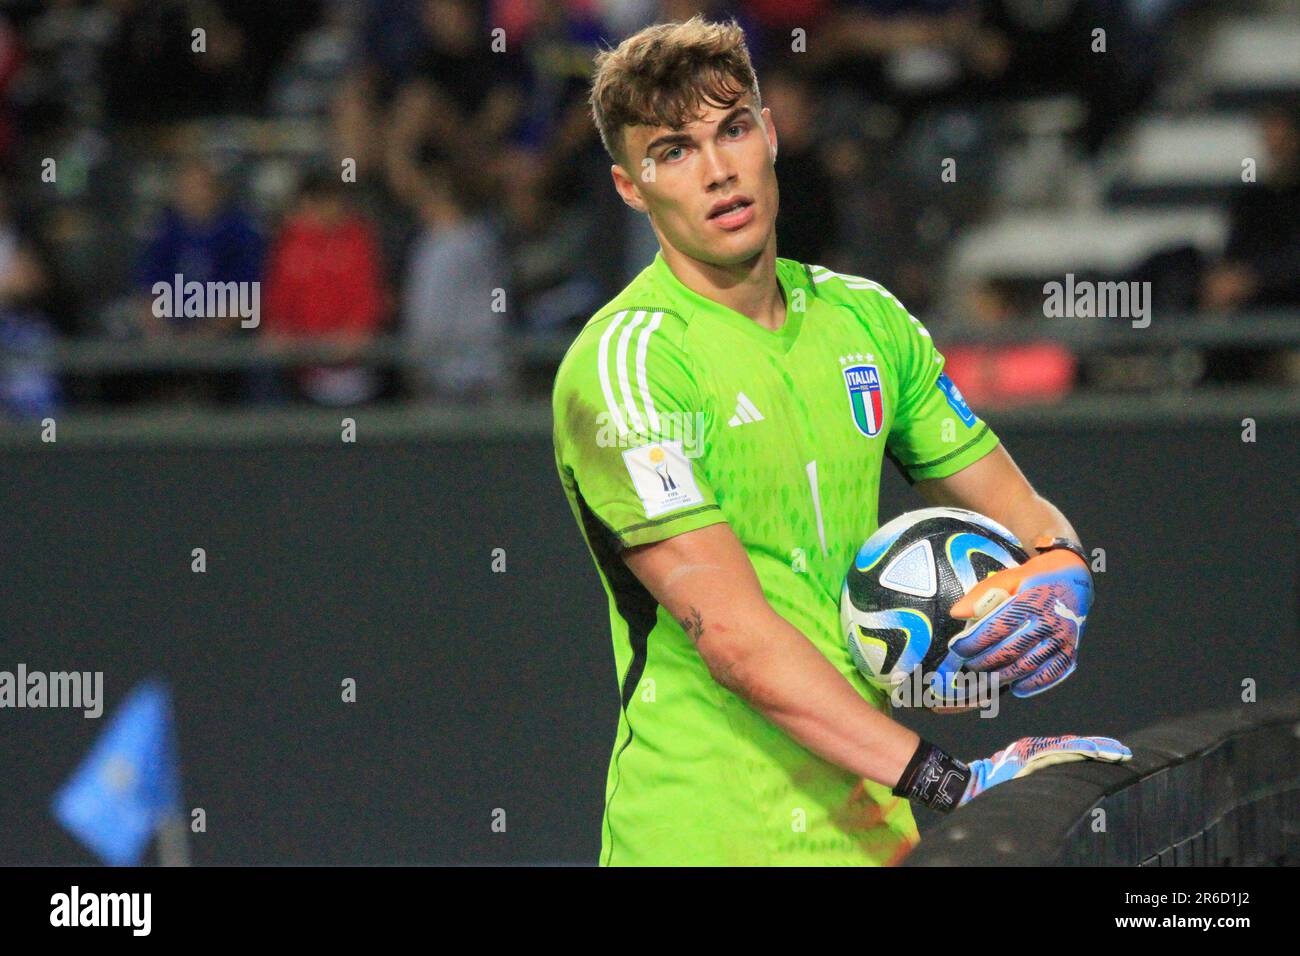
(933,778)
(1043,544)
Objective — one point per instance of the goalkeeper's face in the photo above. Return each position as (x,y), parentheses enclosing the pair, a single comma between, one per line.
(709,187)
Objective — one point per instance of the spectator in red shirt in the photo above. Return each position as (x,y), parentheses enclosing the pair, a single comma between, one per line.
(11,64)
(1032,370)
(324,281)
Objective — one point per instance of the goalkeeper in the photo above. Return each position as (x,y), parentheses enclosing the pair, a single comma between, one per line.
(720,428)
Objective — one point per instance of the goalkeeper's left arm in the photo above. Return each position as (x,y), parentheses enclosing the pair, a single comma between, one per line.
(1025,622)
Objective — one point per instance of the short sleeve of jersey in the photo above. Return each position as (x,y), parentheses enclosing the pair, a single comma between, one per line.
(934,433)
(630,433)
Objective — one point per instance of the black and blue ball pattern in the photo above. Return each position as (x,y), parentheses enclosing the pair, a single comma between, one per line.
(904,581)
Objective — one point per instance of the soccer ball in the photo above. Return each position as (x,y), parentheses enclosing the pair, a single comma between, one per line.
(902,584)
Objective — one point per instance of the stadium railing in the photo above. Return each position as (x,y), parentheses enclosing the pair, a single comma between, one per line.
(1215,789)
(1271,329)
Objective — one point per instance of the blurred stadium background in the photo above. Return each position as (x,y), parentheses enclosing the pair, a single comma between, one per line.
(430,221)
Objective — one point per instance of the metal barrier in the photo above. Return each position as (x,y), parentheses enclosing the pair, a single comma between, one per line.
(1256,329)
(1215,789)
(508,419)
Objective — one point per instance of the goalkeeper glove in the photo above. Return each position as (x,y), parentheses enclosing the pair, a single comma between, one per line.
(942,782)
(1026,621)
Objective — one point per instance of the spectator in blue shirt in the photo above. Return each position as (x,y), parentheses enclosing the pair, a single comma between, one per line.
(203,238)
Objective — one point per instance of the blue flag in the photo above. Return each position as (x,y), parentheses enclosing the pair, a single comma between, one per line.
(129,783)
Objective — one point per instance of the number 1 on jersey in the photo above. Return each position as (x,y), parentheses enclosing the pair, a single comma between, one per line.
(811,469)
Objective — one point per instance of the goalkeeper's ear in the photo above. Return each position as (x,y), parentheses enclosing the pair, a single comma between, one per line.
(627,187)
(771,133)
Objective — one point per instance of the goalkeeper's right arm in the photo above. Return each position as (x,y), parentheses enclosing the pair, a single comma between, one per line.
(706,581)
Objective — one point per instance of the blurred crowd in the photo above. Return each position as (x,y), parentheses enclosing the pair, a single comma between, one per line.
(426,170)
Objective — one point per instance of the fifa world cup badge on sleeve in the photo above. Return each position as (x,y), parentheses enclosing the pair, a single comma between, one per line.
(662,476)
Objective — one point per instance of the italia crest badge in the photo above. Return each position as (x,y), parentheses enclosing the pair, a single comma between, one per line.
(865,398)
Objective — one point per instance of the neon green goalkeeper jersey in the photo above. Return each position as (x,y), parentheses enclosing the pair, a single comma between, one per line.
(673,412)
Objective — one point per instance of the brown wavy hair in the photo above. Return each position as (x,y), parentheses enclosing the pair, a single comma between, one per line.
(665,75)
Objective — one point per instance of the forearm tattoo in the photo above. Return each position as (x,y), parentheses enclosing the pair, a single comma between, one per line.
(693,624)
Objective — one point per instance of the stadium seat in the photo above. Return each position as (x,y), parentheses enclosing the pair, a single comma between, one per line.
(1167,160)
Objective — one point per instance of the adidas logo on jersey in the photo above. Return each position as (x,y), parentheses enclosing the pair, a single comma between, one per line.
(745,411)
